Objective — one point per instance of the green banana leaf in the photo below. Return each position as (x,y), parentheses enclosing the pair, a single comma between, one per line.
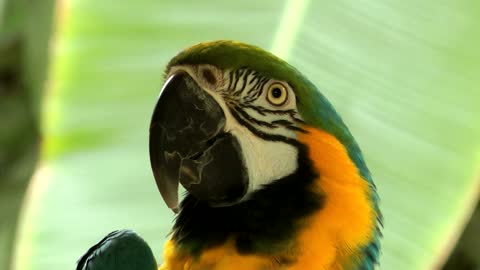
(403,74)
(25,28)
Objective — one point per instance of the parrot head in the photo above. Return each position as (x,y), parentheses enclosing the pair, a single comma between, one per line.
(227,122)
(234,123)
(224,127)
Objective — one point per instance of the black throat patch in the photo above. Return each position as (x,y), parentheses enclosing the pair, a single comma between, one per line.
(263,224)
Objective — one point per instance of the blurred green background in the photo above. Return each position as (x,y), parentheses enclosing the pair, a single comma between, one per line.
(78,81)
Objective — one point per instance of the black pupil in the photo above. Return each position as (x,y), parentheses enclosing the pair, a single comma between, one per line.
(276,92)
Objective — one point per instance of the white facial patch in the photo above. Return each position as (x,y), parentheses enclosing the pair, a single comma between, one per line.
(266,161)
(242,96)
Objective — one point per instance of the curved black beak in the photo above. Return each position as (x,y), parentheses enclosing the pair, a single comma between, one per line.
(188,144)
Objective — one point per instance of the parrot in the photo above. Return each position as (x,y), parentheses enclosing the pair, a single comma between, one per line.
(273,178)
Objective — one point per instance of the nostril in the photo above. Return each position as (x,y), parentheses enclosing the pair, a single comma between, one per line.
(208,76)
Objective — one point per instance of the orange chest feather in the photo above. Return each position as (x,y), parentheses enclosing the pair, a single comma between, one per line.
(332,236)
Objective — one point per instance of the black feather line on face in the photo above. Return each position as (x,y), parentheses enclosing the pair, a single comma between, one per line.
(261,134)
(238,76)
(266,223)
(230,80)
(255,77)
(245,79)
(251,119)
(274,124)
(262,110)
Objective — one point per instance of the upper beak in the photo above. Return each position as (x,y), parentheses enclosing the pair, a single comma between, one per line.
(188,144)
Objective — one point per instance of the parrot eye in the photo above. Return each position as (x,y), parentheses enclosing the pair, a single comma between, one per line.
(277,94)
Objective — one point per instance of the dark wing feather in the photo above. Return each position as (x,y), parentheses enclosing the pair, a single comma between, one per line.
(119,250)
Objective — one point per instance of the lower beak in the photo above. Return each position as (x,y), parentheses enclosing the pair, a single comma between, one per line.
(189,145)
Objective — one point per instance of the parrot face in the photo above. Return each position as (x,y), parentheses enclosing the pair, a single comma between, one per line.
(223,134)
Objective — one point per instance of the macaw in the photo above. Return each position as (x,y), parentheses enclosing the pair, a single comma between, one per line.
(273,177)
